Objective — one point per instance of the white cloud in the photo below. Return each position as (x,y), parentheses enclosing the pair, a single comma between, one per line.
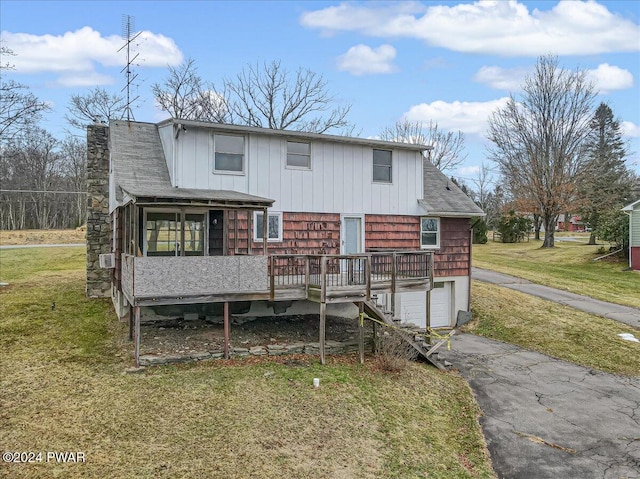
(496,27)
(363,60)
(81,51)
(610,77)
(82,79)
(630,129)
(605,77)
(509,79)
(468,170)
(468,117)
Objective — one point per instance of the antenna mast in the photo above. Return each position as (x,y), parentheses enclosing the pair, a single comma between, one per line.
(129,35)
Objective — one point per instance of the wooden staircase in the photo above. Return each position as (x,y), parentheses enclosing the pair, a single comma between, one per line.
(424,351)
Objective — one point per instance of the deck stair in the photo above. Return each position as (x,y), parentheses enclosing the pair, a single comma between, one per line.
(426,351)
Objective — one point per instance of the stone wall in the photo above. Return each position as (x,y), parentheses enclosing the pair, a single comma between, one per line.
(98,222)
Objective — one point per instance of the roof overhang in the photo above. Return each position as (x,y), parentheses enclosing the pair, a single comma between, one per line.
(239,129)
(196,197)
(632,206)
(450,214)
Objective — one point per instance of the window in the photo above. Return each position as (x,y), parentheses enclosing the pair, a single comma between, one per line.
(299,154)
(229,153)
(274,226)
(429,232)
(382,166)
(163,233)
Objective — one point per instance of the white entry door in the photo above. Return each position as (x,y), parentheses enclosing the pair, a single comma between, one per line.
(352,242)
(351,235)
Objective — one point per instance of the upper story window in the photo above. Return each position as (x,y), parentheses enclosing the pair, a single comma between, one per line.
(274,226)
(229,153)
(299,154)
(382,166)
(429,232)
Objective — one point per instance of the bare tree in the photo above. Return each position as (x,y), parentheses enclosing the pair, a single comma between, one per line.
(18,107)
(447,147)
(539,140)
(95,105)
(73,153)
(269,96)
(185,95)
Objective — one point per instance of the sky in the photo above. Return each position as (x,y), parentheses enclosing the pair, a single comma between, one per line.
(450,62)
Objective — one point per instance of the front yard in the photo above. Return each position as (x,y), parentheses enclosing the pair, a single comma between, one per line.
(550,328)
(569,266)
(63,388)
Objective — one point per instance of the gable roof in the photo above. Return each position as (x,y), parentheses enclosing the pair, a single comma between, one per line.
(443,198)
(140,170)
(292,134)
(632,206)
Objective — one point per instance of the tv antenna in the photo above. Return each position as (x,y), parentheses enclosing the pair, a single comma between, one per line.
(129,35)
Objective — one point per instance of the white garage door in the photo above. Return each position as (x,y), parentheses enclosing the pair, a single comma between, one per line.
(412,306)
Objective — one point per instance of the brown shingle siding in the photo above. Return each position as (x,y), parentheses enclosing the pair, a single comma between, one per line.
(453,257)
(392,232)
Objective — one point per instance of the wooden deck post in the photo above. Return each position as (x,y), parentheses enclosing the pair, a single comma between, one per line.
(374,348)
(428,314)
(323,312)
(323,304)
(136,334)
(226,330)
(131,320)
(361,332)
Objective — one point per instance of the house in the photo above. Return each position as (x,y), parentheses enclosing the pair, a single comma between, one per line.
(574,224)
(268,221)
(633,210)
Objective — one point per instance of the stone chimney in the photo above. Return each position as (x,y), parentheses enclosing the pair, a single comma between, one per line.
(98,221)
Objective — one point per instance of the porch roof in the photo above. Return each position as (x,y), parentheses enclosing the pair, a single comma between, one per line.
(169,195)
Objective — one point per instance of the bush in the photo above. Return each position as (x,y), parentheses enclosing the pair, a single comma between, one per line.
(394,354)
(614,228)
(480,231)
(514,228)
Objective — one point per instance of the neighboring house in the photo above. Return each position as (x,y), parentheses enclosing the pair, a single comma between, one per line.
(633,210)
(574,224)
(265,220)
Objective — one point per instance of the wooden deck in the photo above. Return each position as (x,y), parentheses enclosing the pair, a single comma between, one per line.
(150,281)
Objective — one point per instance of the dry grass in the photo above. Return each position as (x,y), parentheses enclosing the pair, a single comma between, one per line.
(23,237)
(553,329)
(63,388)
(568,266)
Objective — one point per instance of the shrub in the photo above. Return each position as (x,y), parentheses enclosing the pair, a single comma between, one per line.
(394,354)
(479,231)
(514,228)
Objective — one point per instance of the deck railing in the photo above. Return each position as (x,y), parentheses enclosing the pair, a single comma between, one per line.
(276,277)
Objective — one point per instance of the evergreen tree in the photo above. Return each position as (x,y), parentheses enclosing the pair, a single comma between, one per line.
(605,182)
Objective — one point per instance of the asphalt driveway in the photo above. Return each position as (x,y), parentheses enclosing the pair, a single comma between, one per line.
(546,418)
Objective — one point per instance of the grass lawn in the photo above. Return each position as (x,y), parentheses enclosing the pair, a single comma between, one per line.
(568,266)
(553,329)
(21,237)
(63,388)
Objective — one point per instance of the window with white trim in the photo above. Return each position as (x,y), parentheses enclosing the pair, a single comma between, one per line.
(274,226)
(299,154)
(382,163)
(229,153)
(429,232)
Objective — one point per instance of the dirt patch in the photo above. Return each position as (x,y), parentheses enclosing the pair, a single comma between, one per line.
(179,336)
(25,237)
